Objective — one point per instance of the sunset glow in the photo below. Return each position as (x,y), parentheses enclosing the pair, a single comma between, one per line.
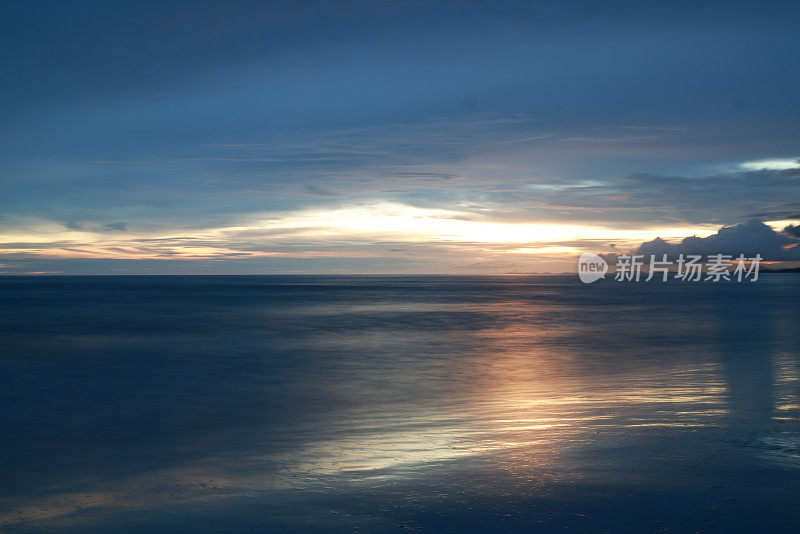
(311,234)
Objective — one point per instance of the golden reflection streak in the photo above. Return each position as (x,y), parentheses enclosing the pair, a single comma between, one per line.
(528,405)
(205,482)
(787,388)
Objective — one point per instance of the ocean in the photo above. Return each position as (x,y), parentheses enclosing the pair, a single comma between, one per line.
(398,404)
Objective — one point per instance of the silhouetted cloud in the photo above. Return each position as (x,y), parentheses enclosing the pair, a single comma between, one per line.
(793,230)
(750,238)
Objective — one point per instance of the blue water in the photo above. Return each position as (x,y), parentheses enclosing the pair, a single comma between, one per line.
(398,404)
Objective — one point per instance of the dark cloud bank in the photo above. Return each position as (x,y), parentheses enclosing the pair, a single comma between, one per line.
(749,238)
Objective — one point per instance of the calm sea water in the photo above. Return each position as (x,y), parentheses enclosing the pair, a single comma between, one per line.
(392,404)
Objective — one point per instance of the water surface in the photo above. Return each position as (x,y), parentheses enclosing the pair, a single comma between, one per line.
(390,404)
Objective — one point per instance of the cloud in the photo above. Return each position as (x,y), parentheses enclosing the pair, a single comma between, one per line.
(318,190)
(720,199)
(750,238)
(771,165)
(424,239)
(792,230)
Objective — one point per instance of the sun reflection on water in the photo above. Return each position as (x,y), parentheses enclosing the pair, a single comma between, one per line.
(524,408)
(787,388)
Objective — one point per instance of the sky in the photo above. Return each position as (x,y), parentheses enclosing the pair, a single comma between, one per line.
(392,137)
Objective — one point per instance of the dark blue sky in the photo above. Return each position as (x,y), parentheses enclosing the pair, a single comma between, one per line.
(386,136)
